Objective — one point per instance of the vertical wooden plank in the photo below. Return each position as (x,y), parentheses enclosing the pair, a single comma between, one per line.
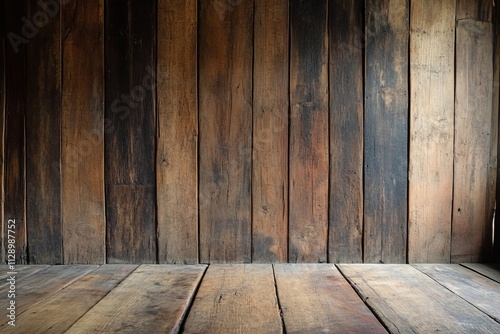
(431,130)
(471,237)
(496,106)
(2,128)
(386,131)
(346,132)
(225,108)
(130,130)
(308,131)
(481,10)
(15,102)
(43,138)
(82,111)
(270,132)
(177,161)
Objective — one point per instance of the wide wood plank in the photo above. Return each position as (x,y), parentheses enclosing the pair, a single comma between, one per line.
(408,301)
(489,270)
(235,299)
(153,299)
(315,298)
(432,110)
(43,141)
(130,130)
(22,270)
(225,109)
(471,232)
(346,131)
(481,10)
(82,166)
(177,157)
(308,226)
(386,131)
(270,132)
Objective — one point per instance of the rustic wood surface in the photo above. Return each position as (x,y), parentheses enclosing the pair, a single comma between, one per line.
(481,10)
(177,157)
(2,128)
(21,270)
(489,270)
(496,110)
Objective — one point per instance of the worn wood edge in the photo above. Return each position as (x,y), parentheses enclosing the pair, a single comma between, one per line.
(474,267)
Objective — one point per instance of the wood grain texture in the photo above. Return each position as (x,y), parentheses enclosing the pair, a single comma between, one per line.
(386,131)
(58,312)
(308,225)
(481,10)
(408,301)
(315,298)
(82,169)
(270,132)
(496,105)
(22,270)
(235,299)
(225,118)
(177,160)
(491,271)
(130,130)
(152,299)
(432,110)
(346,132)
(43,140)
(15,104)
(471,233)
(2,130)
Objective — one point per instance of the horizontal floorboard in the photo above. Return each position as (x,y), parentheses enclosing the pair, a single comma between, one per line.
(489,270)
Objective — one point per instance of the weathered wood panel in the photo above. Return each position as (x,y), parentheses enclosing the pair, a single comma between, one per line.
(130,130)
(235,299)
(386,131)
(43,138)
(2,129)
(153,299)
(431,130)
(481,10)
(82,167)
(270,132)
(22,270)
(346,131)
(471,237)
(225,118)
(308,219)
(315,298)
(496,105)
(491,271)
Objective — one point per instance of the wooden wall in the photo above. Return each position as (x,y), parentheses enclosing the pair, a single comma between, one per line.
(185,131)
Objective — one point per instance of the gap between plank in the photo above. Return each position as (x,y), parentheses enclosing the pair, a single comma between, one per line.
(190,302)
(283,327)
(477,272)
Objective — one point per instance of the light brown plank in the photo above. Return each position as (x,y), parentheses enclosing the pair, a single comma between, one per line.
(62,309)
(315,298)
(471,232)
(408,301)
(489,270)
(235,299)
(177,156)
(153,299)
(432,110)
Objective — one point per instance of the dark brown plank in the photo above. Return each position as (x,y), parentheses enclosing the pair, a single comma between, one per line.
(2,127)
(270,132)
(15,102)
(315,298)
(43,140)
(130,130)
(308,226)
(386,131)
(225,93)
(491,271)
(238,298)
(471,233)
(346,132)
(153,299)
(408,301)
(481,10)
(177,162)
(431,130)
(82,166)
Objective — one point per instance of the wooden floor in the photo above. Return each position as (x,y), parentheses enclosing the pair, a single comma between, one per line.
(309,298)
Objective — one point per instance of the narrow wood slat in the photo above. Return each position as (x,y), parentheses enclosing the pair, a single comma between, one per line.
(235,299)
(82,166)
(154,298)
(177,157)
(225,109)
(432,109)
(43,140)
(481,10)
(315,298)
(408,301)
(386,131)
(496,106)
(471,232)
(61,310)
(2,127)
(346,131)
(270,132)
(489,270)
(308,226)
